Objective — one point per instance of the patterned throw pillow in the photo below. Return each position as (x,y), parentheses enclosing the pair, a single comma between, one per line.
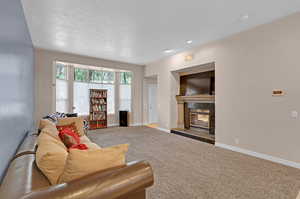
(55,116)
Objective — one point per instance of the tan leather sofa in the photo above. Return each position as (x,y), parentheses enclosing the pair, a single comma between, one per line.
(24,180)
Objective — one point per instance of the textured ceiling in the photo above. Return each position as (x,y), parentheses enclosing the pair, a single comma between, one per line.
(138,31)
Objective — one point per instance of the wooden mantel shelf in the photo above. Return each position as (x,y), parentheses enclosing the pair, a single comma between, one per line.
(195,98)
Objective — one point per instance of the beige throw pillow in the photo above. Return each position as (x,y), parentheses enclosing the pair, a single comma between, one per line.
(69,120)
(85,140)
(84,162)
(51,156)
(52,131)
(46,122)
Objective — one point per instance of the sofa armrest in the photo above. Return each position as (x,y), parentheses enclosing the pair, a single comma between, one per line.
(110,184)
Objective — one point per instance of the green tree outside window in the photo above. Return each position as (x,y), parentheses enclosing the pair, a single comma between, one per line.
(108,77)
(61,71)
(126,77)
(81,75)
(96,76)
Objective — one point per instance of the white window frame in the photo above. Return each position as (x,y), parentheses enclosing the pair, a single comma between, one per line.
(70,79)
(131,87)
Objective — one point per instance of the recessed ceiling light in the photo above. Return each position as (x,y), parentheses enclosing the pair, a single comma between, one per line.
(245,17)
(189,41)
(168,51)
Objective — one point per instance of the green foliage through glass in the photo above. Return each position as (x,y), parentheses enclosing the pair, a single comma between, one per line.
(126,77)
(96,76)
(61,71)
(80,74)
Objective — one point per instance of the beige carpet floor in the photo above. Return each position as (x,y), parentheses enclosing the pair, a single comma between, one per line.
(189,169)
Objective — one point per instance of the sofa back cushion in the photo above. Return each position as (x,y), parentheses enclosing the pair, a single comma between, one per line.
(81,163)
(51,156)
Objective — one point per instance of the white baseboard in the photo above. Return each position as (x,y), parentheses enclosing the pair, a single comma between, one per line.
(112,125)
(162,129)
(259,155)
(136,124)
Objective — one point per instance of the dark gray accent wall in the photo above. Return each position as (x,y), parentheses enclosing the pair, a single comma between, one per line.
(16,80)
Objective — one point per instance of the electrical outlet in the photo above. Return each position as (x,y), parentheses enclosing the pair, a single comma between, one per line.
(237,141)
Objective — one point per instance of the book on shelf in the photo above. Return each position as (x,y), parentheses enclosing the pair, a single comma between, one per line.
(97,108)
(97,116)
(98,101)
(98,94)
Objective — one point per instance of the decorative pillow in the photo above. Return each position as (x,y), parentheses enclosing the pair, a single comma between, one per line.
(51,156)
(44,137)
(85,140)
(52,131)
(69,120)
(71,127)
(55,116)
(68,137)
(81,163)
(79,146)
(45,122)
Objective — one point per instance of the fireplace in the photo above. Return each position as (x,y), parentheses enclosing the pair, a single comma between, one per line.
(196,105)
(200,118)
(196,117)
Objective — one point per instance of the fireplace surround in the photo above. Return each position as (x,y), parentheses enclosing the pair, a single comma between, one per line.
(196,103)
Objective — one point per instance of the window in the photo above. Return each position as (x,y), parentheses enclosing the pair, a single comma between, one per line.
(125,77)
(125,91)
(81,75)
(62,99)
(81,98)
(86,78)
(108,77)
(92,79)
(96,76)
(61,71)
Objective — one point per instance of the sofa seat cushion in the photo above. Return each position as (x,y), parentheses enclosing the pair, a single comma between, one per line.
(81,163)
(51,156)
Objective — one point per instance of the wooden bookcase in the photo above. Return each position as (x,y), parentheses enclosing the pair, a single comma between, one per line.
(98,109)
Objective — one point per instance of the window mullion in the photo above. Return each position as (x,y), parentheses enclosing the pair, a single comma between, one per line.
(71,74)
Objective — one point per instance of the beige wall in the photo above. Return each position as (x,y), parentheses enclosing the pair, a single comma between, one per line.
(249,65)
(45,95)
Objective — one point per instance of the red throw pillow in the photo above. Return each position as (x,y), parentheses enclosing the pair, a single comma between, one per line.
(79,146)
(68,137)
(71,126)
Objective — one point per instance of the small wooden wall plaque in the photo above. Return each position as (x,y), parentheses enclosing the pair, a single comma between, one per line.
(277,92)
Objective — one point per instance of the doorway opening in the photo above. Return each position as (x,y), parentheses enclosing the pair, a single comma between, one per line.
(152,111)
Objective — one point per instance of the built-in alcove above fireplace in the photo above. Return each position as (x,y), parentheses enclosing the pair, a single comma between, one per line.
(196,106)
